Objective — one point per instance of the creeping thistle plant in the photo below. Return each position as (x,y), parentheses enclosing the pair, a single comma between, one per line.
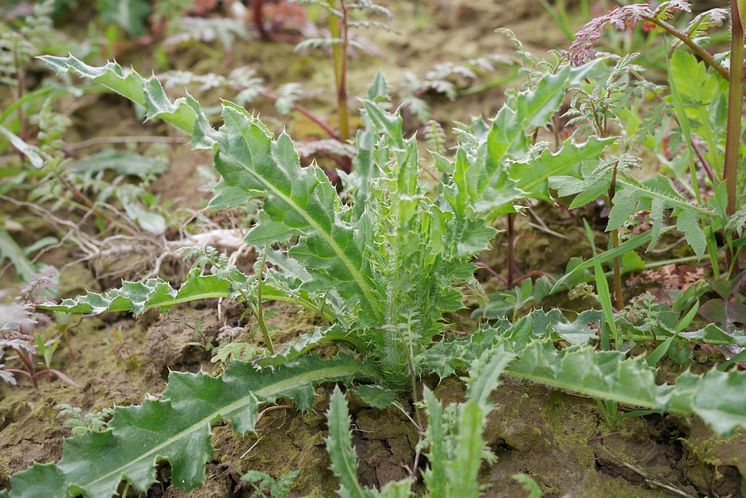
(382,265)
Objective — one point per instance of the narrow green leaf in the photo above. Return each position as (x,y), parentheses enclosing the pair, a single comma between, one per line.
(341,452)
(35,156)
(10,250)
(435,476)
(604,295)
(463,470)
(628,245)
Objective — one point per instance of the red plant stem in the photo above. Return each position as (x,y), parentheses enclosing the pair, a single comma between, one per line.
(307,113)
(705,165)
(338,29)
(257,8)
(344,118)
(511,250)
(735,100)
(618,286)
(29,364)
(535,274)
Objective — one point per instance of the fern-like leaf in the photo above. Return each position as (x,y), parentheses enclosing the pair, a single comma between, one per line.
(658,196)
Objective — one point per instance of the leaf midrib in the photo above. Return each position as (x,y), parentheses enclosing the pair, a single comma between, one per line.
(359,279)
(579,149)
(595,393)
(273,389)
(660,195)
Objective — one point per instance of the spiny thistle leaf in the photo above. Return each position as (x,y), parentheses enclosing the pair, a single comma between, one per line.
(533,176)
(341,451)
(532,109)
(309,341)
(298,201)
(175,428)
(454,436)
(463,469)
(484,375)
(435,476)
(182,113)
(136,297)
(608,375)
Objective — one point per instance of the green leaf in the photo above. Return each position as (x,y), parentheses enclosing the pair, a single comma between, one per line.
(608,375)
(263,482)
(175,428)
(717,397)
(376,396)
(120,162)
(464,468)
(588,189)
(659,352)
(435,475)
(456,447)
(398,489)
(36,157)
(148,221)
(533,176)
(378,89)
(529,485)
(147,93)
(604,295)
(309,341)
(11,251)
(298,202)
(136,297)
(341,452)
(575,332)
(657,196)
(628,245)
(484,376)
(693,81)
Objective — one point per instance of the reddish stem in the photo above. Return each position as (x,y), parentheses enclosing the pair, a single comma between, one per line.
(511,250)
(307,113)
(257,9)
(735,99)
